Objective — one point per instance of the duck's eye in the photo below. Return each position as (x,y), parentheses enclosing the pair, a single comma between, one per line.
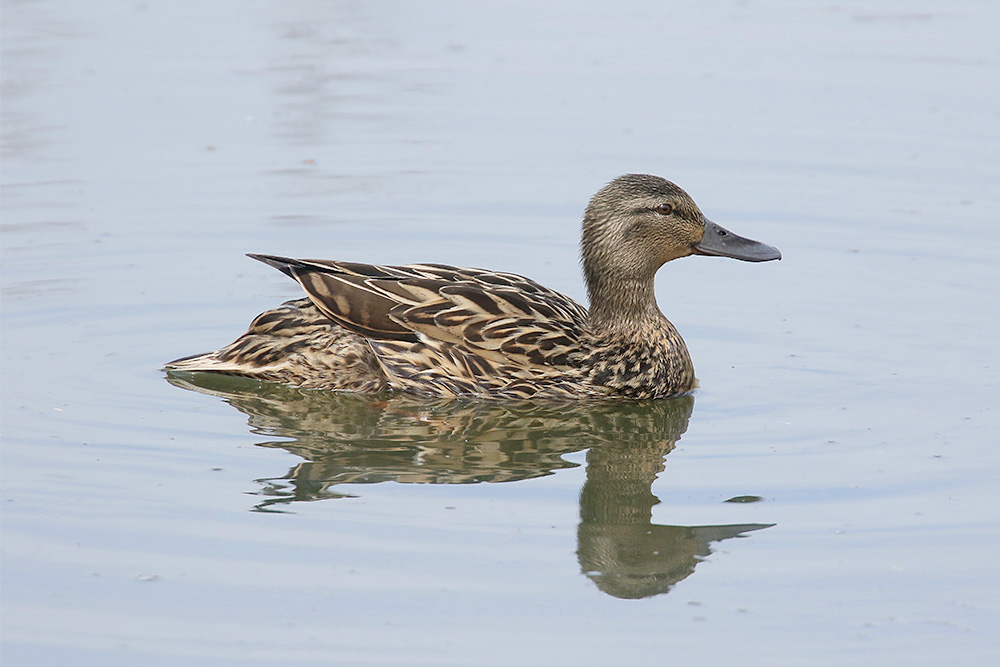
(664,209)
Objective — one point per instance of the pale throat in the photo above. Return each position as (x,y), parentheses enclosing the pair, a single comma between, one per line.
(622,305)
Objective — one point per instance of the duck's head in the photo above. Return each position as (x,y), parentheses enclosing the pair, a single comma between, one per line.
(637,222)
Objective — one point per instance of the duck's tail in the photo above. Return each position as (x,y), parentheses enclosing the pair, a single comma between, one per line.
(210,362)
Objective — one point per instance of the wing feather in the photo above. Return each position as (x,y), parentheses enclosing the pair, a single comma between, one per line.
(469,328)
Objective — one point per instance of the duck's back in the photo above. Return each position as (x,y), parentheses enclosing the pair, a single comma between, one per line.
(425,328)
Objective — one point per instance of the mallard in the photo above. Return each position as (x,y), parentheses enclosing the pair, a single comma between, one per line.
(446,331)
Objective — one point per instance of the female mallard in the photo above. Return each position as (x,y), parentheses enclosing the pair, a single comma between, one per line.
(447,331)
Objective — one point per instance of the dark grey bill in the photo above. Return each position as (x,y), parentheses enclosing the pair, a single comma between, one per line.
(721,242)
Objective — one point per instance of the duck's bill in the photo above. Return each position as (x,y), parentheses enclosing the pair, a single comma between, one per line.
(720,242)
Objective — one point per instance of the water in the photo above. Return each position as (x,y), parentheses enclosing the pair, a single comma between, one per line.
(849,391)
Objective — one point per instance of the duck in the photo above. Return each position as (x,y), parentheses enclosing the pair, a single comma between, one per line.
(453,332)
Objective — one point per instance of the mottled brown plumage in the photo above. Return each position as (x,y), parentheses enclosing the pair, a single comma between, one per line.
(448,331)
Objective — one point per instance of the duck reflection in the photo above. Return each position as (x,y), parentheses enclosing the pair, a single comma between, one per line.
(359,439)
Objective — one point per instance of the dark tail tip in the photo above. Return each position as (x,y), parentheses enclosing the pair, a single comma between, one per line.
(283,264)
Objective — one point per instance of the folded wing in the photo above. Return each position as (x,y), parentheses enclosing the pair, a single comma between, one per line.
(482,326)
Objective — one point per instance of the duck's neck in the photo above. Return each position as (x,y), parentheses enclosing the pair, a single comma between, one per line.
(621,305)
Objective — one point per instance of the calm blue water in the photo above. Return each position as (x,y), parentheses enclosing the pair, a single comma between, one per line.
(849,389)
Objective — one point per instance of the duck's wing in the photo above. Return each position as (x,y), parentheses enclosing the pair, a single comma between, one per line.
(501,318)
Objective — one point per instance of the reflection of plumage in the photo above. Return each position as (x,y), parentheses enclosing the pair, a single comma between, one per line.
(355,439)
(447,331)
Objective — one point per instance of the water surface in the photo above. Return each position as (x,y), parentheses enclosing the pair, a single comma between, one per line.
(848,393)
